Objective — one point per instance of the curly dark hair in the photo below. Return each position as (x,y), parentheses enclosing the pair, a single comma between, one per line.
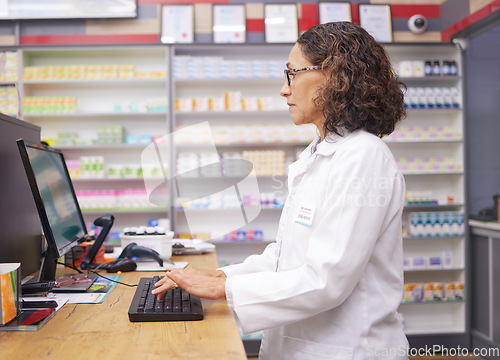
(362,91)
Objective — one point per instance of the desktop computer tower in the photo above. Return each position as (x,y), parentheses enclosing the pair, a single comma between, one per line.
(20,229)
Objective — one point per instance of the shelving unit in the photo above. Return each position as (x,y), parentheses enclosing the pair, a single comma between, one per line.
(429,145)
(424,136)
(255,74)
(9,99)
(113,87)
(97,114)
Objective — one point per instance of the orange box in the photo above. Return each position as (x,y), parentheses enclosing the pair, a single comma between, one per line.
(78,253)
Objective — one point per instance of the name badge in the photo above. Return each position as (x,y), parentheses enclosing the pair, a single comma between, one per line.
(305,215)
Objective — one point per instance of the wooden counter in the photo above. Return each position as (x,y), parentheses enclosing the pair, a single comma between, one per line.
(103,331)
(485,285)
(487,225)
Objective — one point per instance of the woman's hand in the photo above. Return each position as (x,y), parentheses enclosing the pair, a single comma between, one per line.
(206,284)
(163,286)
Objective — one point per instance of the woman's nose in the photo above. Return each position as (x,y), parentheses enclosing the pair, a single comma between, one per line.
(285,89)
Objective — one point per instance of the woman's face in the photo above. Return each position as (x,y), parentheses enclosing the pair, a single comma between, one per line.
(302,91)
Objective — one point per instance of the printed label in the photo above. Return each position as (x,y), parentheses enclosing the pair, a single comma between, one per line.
(305,215)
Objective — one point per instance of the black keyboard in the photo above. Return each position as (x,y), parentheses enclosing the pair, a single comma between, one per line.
(177,305)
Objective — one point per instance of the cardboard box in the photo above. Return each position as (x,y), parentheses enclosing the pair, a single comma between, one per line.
(10,291)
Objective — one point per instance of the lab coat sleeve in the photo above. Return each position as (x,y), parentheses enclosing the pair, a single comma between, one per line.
(339,248)
(255,263)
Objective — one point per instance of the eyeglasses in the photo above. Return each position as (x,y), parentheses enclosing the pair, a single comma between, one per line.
(72,279)
(292,72)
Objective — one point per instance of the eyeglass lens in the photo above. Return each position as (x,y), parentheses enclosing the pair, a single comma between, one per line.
(71,279)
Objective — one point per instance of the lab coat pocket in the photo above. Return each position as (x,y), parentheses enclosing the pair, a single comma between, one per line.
(298,349)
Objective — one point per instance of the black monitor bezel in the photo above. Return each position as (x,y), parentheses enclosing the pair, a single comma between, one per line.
(49,236)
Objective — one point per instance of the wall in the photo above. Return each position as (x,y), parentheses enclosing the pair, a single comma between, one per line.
(483,119)
(146,27)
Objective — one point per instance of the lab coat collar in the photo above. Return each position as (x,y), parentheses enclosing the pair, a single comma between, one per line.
(302,164)
(309,149)
(324,148)
(328,146)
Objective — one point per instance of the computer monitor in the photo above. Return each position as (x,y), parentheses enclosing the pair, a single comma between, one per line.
(56,202)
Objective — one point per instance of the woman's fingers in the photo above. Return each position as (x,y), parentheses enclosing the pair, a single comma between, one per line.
(162,286)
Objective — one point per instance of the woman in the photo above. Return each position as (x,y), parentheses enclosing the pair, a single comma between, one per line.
(330,285)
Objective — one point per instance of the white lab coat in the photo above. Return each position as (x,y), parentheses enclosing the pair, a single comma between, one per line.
(330,286)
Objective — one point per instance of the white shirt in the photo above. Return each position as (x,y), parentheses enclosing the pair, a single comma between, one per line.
(330,286)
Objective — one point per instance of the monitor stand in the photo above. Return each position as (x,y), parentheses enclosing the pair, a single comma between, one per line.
(48,267)
(47,278)
(69,282)
(78,282)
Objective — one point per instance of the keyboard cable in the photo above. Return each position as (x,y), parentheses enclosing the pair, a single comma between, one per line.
(98,274)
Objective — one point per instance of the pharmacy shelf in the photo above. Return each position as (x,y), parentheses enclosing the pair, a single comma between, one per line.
(208,178)
(455,268)
(100,147)
(406,173)
(96,114)
(438,207)
(431,79)
(239,115)
(433,302)
(443,111)
(259,145)
(424,141)
(274,113)
(119,211)
(236,242)
(434,238)
(273,209)
(8,83)
(434,331)
(446,319)
(434,318)
(96,101)
(226,81)
(100,82)
(108,180)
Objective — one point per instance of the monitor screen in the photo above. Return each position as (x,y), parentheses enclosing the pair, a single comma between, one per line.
(54,195)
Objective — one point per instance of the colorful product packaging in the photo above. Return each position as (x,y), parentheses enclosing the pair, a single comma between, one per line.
(428,292)
(408,293)
(418,292)
(459,290)
(449,291)
(438,291)
(10,291)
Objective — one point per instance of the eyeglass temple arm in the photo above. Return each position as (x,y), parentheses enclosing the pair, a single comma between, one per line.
(106,222)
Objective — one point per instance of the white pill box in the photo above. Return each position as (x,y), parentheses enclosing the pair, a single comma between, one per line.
(162,244)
